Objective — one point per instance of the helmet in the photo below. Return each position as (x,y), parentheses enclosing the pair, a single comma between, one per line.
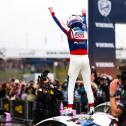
(75,21)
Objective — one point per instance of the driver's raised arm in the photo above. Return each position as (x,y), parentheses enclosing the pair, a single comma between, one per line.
(62,27)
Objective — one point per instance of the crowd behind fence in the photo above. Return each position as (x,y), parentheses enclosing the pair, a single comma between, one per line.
(18,97)
(23,110)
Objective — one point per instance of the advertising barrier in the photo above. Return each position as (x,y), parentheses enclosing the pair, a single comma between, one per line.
(103,15)
(23,110)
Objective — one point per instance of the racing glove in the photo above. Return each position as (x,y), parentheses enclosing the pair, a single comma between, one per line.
(51,10)
(122,103)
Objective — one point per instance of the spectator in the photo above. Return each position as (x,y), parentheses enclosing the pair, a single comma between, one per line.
(103,90)
(118,98)
(2,90)
(76,92)
(11,94)
(17,88)
(30,91)
(83,98)
(64,90)
(23,93)
(47,104)
(30,88)
(94,85)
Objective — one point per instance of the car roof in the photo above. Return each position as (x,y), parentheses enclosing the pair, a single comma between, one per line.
(67,120)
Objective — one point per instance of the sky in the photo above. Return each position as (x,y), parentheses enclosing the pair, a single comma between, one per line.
(120,37)
(28,24)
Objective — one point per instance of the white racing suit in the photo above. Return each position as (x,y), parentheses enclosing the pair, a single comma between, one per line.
(79,61)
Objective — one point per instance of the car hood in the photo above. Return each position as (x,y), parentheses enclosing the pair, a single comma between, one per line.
(99,119)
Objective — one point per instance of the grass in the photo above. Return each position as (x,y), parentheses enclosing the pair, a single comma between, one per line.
(61,74)
(6,75)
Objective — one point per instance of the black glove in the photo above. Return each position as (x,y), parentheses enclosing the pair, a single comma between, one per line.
(122,103)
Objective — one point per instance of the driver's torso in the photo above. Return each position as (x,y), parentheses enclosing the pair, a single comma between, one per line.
(77,40)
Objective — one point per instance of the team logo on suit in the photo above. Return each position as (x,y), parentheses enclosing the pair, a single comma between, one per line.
(104,7)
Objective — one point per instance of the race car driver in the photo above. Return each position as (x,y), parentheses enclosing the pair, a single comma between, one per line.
(76,32)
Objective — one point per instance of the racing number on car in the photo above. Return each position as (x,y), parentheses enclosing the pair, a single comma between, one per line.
(79,35)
